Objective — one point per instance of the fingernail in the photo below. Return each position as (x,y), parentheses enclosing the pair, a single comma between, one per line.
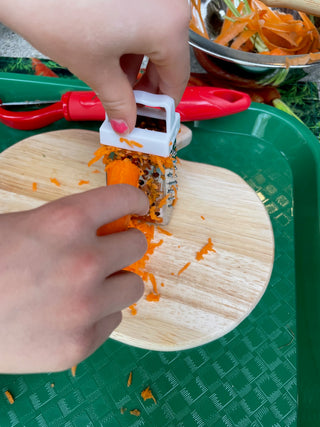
(119,126)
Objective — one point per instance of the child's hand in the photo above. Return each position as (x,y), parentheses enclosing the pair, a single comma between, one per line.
(103,43)
(61,287)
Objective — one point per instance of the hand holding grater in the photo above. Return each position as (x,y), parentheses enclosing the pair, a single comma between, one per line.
(152,147)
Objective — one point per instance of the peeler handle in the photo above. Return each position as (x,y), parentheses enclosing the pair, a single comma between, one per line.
(202,103)
(197,103)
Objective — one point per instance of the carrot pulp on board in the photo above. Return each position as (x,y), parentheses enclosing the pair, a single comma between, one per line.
(55,182)
(208,247)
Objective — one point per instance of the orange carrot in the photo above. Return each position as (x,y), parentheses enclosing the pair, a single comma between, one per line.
(135,412)
(83,182)
(129,382)
(55,182)
(268,31)
(152,297)
(184,268)
(197,24)
(133,309)
(34,186)
(9,396)
(208,247)
(131,143)
(73,370)
(163,231)
(120,172)
(40,69)
(147,394)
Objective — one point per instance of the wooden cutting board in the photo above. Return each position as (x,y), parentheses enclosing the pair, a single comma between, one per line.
(209,298)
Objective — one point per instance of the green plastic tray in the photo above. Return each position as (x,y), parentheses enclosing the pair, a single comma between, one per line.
(256,374)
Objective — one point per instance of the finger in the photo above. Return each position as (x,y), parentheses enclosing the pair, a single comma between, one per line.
(173,67)
(104,328)
(106,204)
(115,93)
(117,292)
(119,250)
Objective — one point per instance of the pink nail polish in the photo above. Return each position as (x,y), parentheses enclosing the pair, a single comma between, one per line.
(119,126)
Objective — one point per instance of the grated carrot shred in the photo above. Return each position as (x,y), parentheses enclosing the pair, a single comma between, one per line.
(208,247)
(184,268)
(83,182)
(163,201)
(73,370)
(131,143)
(135,412)
(133,309)
(152,297)
(55,181)
(34,186)
(280,33)
(202,217)
(9,396)
(96,171)
(163,231)
(147,394)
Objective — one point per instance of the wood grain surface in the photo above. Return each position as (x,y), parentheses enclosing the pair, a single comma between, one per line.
(209,298)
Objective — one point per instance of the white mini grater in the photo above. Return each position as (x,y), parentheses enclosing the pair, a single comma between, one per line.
(154,135)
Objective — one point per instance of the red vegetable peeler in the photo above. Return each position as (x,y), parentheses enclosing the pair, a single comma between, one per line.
(197,103)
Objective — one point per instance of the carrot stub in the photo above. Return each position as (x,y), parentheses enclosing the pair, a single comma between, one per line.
(120,172)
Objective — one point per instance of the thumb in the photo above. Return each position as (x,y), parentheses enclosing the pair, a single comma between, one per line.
(116,95)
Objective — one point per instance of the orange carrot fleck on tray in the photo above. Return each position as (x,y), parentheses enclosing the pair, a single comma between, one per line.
(129,382)
(83,182)
(96,171)
(9,396)
(55,182)
(34,186)
(135,412)
(208,247)
(73,370)
(184,268)
(147,394)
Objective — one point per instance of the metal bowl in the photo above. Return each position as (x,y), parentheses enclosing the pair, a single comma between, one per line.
(244,68)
